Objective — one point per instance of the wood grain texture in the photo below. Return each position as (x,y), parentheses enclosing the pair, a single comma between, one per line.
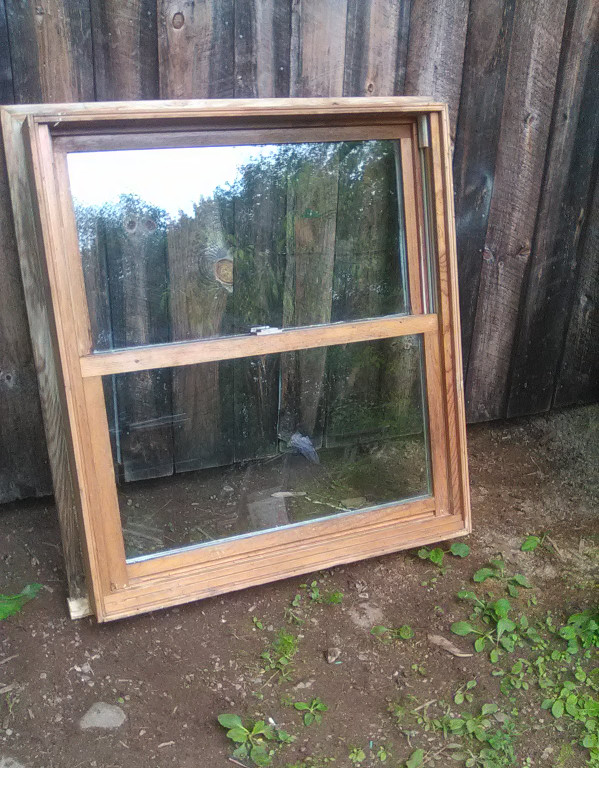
(479,122)
(51,50)
(195,48)
(565,197)
(118,589)
(317,48)
(376,46)
(51,55)
(196,59)
(435,57)
(524,133)
(578,375)
(125,48)
(262,48)
(203,352)
(49,375)
(24,469)
(179,586)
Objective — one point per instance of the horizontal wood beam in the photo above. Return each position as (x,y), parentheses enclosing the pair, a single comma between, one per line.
(172,109)
(181,354)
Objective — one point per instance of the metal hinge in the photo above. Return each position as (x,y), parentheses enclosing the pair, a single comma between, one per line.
(424,139)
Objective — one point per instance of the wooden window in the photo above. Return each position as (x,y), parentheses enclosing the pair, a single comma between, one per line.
(244,315)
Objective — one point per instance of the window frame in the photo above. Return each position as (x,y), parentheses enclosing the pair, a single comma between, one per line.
(118,588)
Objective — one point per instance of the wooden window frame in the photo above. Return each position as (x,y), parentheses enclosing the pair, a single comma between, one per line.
(38,139)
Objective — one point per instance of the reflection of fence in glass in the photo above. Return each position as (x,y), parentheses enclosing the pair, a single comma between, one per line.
(301,234)
(279,235)
(276,448)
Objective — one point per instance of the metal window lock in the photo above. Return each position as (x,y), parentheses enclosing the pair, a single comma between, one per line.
(263,330)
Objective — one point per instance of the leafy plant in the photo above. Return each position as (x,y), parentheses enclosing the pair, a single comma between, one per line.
(436,555)
(493,625)
(292,614)
(382,754)
(258,623)
(582,630)
(464,693)
(390,634)
(459,549)
(496,570)
(12,603)
(416,759)
(530,543)
(280,657)
(312,711)
(252,738)
(357,755)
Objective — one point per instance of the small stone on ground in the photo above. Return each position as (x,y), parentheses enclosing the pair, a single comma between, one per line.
(102,715)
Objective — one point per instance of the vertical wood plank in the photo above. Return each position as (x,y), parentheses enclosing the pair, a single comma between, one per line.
(527,108)
(578,376)
(196,59)
(198,302)
(51,393)
(318,32)
(566,192)
(51,57)
(318,48)
(24,469)
(51,50)
(125,40)
(195,48)
(262,56)
(135,242)
(435,56)
(376,47)
(126,68)
(485,68)
(262,44)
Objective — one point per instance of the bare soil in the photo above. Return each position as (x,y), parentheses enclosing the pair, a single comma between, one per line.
(174,672)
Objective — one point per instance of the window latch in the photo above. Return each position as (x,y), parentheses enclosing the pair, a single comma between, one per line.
(263,330)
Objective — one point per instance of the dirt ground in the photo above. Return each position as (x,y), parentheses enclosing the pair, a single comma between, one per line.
(172,673)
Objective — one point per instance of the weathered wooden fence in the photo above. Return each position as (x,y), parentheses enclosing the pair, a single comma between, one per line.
(521,80)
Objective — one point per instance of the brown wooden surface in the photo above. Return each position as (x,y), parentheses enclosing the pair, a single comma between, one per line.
(436,56)
(182,353)
(112,584)
(524,131)
(66,51)
(553,292)
(49,374)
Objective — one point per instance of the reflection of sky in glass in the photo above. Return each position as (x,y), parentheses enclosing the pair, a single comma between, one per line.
(172,179)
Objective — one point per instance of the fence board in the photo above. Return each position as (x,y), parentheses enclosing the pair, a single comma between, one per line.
(524,351)
(125,39)
(376,47)
(436,51)
(23,460)
(479,121)
(262,41)
(526,117)
(195,48)
(563,198)
(317,69)
(578,377)
(196,59)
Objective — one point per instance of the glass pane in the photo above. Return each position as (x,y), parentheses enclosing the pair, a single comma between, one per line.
(197,242)
(258,443)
